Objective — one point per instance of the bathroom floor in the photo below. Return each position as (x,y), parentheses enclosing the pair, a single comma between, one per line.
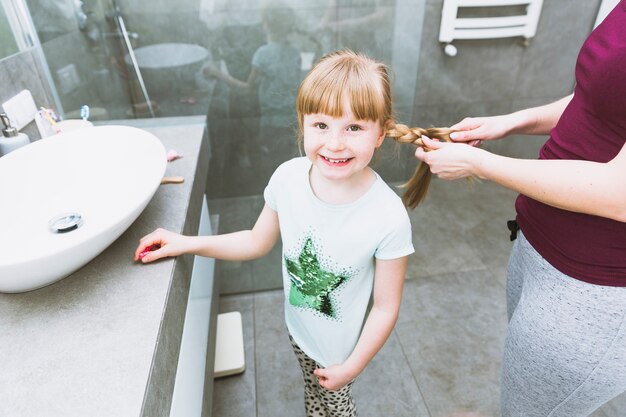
(442,359)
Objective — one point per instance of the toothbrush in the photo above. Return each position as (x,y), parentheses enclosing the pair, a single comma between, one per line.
(46,114)
(84,112)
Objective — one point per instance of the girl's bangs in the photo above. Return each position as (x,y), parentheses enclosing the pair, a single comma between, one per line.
(326,95)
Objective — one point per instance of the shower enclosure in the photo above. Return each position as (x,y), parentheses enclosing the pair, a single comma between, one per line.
(90,51)
(145,59)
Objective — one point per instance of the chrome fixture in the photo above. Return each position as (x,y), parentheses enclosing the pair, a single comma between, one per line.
(119,20)
(65,222)
(131,35)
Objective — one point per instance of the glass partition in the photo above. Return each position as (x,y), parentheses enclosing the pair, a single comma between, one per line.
(239,62)
(8,45)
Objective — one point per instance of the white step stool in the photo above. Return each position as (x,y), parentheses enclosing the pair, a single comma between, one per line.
(229,354)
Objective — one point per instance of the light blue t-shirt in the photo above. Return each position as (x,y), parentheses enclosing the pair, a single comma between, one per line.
(329,254)
(280,65)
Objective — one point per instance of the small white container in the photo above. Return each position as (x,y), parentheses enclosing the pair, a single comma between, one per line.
(11,139)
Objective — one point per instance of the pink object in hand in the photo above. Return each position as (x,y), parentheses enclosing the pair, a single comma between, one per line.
(148,250)
(172,155)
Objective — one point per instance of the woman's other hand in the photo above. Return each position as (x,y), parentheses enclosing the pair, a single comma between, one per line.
(450,161)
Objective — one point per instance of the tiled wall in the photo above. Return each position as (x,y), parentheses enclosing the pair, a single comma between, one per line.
(23,71)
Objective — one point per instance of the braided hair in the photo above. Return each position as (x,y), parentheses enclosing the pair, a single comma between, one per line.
(417,186)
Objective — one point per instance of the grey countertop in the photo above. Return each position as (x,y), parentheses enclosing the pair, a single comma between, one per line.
(105,340)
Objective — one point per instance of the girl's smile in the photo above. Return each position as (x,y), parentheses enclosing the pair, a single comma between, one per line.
(341,148)
(336,162)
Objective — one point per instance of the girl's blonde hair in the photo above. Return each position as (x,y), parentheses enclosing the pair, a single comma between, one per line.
(365,84)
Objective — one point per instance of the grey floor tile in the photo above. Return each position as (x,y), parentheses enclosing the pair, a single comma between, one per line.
(440,246)
(484,225)
(270,328)
(454,342)
(462,227)
(387,388)
(280,389)
(235,396)
(452,296)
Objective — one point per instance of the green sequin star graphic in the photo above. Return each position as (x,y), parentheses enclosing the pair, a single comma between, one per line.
(311,285)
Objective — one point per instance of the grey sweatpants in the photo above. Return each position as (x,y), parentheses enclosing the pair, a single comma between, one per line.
(565,349)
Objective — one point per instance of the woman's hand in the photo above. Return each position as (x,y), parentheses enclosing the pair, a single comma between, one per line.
(159,244)
(450,161)
(334,377)
(475,129)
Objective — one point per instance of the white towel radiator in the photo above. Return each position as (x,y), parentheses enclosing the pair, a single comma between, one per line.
(453,27)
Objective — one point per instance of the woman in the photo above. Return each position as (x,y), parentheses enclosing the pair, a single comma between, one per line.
(565,351)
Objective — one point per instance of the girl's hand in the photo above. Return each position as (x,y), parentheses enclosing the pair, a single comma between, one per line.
(450,161)
(475,129)
(334,377)
(159,244)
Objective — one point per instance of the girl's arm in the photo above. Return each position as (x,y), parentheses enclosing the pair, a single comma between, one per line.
(533,121)
(581,186)
(243,245)
(250,85)
(388,283)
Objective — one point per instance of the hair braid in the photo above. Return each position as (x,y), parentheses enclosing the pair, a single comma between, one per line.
(417,186)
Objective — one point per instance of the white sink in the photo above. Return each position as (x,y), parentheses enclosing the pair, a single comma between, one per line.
(98,178)
(168,68)
(166,55)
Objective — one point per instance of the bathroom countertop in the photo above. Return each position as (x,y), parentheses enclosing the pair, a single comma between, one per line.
(105,340)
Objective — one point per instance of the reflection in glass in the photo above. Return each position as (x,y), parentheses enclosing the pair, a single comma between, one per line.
(272,82)
(53,18)
(258,53)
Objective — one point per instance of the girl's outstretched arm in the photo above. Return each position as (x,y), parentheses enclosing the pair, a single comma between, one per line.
(242,245)
(581,186)
(388,284)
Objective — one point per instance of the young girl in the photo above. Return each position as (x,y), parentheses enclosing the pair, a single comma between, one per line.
(344,232)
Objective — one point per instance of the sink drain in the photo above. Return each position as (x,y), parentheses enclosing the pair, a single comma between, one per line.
(66,222)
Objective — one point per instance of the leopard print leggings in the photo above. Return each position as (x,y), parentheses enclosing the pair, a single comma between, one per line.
(318,401)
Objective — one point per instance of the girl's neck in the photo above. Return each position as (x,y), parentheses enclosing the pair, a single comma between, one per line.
(341,192)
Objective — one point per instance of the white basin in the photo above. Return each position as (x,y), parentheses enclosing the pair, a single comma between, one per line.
(164,55)
(106,175)
(168,68)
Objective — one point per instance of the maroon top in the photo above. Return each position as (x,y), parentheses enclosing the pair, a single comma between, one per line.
(592,128)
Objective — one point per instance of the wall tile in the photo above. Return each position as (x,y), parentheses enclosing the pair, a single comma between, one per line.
(547,66)
(483,69)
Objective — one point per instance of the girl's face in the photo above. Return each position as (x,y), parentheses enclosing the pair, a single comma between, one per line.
(341,148)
